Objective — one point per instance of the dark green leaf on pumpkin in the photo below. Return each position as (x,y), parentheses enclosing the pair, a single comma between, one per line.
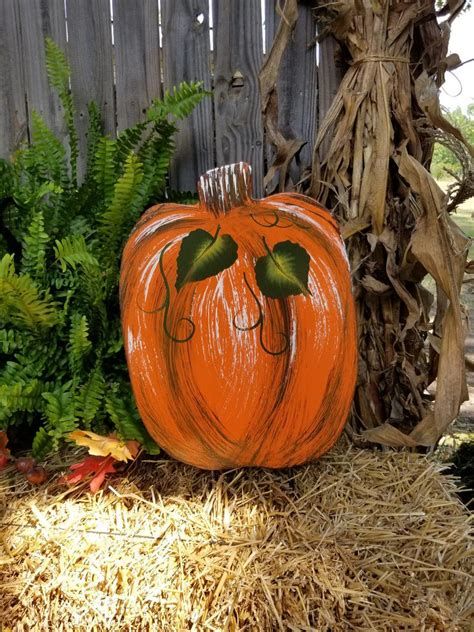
(203,255)
(284,271)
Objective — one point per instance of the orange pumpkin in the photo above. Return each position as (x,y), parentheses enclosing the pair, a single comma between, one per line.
(239,325)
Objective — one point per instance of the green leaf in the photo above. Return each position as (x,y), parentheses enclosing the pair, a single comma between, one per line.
(126,419)
(284,271)
(203,255)
(42,444)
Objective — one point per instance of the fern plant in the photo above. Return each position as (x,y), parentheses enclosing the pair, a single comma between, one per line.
(62,364)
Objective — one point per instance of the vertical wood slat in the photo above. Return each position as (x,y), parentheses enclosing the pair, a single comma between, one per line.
(297,82)
(329,78)
(13,116)
(39,19)
(186,57)
(238,58)
(90,56)
(137,59)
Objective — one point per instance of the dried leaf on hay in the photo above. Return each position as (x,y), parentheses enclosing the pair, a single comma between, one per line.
(105,446)
(105,453)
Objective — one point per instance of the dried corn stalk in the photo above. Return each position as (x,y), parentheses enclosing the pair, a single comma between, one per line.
(394,215)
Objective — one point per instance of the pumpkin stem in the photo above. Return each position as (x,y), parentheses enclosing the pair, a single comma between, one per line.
(226,187)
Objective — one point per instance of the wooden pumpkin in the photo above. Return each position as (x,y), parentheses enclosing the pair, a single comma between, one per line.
(239,325)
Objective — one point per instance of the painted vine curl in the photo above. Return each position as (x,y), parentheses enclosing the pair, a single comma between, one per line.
(166,305)
(259,323)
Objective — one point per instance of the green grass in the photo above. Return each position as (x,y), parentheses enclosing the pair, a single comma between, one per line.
(464,217)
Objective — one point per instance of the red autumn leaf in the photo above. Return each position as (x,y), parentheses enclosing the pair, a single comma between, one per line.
(96,467)
(4,451)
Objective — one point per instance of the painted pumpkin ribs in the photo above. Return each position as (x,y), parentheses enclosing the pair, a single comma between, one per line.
(239,326)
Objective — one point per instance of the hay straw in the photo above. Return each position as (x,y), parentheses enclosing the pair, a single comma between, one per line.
(357,541)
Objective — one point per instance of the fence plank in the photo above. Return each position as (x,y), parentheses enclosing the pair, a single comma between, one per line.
(186,57)
(13,123)
(297,83)
(238,58)
(90,55)
(329,78)
(41,18)
(137,58)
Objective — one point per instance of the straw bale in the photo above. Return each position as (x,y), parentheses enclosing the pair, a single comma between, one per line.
(359,540)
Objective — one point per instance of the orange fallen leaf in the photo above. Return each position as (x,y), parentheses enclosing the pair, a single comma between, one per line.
(96,466)
(106,446)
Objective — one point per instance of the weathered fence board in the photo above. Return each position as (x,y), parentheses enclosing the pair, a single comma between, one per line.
(329,79)
(13,115)
(187,57)
(238,58)
(297,82)
(123,75)
(40,19)
(90,56)
(137,58)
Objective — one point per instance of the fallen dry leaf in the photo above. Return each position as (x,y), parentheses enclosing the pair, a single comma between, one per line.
(106,446)
(96,467)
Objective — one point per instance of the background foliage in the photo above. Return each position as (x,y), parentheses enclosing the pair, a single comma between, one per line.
(444,162)
(61,354)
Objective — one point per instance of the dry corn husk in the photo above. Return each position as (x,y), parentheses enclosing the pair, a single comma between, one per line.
(369,166)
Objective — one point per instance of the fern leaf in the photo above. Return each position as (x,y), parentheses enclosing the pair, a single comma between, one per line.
(6,179)
(94,134)
(79,343)
(156,155)
(47,152)
(90,396)
(21,301)
(128,423)
(60,412)
(20,396)
(120,216)
(128,141)
(9,340)
(104,168)
(59,72)
(177,103)
(42,444)
(34,247)
(73,251)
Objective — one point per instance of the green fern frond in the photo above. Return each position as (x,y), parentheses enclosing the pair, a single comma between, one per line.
(120,216)
(34,248)
(20,397)
(156,156)
(104,168)
(6,179)
(128,423)
(21,301)
(10,340)
(59,72)
(42,444)
(94,134)
(59,413)
(73,251)
(128,141)
(90,396)
(47,152)
(178,102)
(79,343)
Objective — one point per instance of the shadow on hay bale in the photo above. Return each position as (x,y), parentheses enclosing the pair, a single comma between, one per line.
(357,541)
(462,467)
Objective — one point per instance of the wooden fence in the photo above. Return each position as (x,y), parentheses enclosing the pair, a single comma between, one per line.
(123,53)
